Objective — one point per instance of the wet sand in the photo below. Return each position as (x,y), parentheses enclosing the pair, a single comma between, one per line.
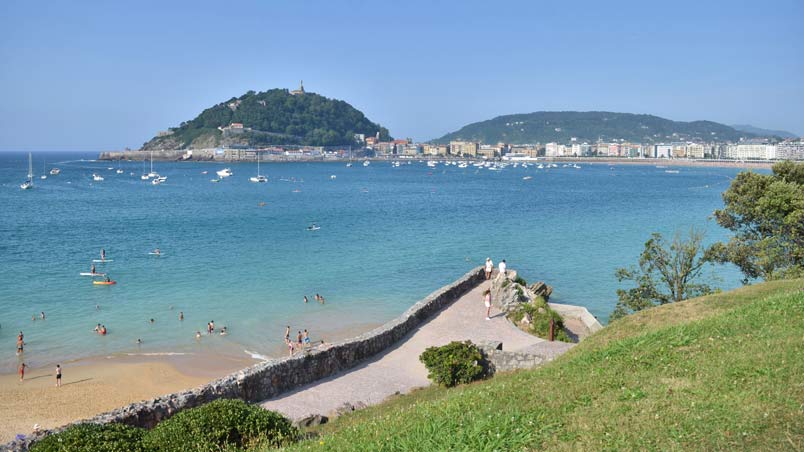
(94,386)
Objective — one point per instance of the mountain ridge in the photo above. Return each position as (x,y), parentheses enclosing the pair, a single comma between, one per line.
(590,126)
(763,132)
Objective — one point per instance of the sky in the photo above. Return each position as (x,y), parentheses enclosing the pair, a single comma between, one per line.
(99,75)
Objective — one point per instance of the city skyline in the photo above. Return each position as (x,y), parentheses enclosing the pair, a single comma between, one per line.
(91,76)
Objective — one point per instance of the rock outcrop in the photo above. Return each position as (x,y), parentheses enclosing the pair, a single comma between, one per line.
(507,294)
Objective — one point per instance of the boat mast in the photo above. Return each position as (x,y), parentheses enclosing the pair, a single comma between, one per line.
(30,167)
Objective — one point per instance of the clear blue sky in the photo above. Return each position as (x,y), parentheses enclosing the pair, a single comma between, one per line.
(94,75)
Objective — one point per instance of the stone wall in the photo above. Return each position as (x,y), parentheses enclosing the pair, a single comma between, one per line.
(498,360)
(271,378)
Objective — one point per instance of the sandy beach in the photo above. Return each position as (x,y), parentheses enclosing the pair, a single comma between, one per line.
(90,387)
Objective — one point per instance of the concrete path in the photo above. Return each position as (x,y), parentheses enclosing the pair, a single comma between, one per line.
(398,369)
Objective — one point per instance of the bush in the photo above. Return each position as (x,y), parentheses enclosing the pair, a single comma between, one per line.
(521,281)
(221,425)
(93,438)
(540,321)
(452,364)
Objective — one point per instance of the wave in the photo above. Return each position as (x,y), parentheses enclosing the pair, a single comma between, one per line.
(256,355)
(159,354)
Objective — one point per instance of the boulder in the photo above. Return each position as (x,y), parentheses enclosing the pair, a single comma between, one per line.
(311,420)
(540,289)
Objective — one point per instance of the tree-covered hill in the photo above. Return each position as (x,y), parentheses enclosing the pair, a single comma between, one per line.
(589,126)
(273,117)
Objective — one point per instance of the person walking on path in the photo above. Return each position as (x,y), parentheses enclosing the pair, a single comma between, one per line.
(503,267)
(58,375)
(487,302)
(489,268)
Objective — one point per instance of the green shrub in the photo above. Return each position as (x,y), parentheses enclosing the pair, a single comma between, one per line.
(540,321)
(93,438)
(521,281)
(221,425)
(452,364)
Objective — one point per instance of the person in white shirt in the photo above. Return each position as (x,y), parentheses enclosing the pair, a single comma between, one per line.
(489,267)
(502,267)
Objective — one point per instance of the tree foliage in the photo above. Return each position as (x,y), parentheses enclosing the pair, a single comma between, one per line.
(666,273)
(453,364)
(766,214)
(278,117)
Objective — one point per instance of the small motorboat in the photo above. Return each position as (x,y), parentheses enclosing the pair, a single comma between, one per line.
(119,171)
(215,180)
(313,227)
(55,172)
(258,178)
(97,178)
(104,283)
(333,177)
(226,172)
(366,163)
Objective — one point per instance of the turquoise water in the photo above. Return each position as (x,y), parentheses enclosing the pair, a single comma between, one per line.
(388,237)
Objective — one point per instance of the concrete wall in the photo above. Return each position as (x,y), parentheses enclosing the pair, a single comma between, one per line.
(268,379)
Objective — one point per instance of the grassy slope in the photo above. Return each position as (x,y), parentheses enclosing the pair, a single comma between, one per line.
(722,372)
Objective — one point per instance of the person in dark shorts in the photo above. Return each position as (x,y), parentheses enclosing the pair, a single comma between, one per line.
(58,375)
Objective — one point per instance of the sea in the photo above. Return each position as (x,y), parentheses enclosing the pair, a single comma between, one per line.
(242,254)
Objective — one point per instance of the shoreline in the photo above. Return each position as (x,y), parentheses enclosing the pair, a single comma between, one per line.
(175,156)
(98,385)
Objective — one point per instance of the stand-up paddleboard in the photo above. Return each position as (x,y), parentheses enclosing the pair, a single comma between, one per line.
(156,254)
(92,274)
(104,283)
(101,261)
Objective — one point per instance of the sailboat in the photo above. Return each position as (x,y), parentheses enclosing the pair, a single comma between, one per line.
(44,170)
(28,184)
(259,177)
(152,173)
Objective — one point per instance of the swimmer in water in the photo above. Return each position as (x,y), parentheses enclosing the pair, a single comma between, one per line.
(181,315)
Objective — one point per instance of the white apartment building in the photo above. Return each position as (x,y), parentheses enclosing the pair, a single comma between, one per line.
(751,151)
(790,150)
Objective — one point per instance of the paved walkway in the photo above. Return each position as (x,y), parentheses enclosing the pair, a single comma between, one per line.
(398,369)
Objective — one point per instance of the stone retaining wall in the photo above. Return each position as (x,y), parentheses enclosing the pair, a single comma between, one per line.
(271,378)
(497,360)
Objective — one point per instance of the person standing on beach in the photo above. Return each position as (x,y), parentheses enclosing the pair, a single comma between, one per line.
(306,339)
(20,345)
(489,268)
(503,266)
(487,302)
(290,345)
(58,375)
(299,341)
(287,333)
(22,371)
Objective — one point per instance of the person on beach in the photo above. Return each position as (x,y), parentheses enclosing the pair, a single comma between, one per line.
(22,371)
(489,267)
(20,345)
(211,326)
(181,315)
(503,267)
(58,375)
(289,343)
(299,340)
(287,333)
(306,339)
(305,299)
(487,302)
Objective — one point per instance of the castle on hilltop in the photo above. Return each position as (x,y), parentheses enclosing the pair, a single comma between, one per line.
(300,90)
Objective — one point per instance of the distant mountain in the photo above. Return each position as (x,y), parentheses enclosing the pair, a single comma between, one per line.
(277,116)
(763,132)
(589,126)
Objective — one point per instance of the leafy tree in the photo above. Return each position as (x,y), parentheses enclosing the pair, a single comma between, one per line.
(766,214)
(667,272)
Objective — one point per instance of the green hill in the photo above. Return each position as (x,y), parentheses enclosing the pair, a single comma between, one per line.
(722,372)
(271,117)
(589,126)
(764,132)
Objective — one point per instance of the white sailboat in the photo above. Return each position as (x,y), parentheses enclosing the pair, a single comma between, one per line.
(44,170)
(259,177)
(152,173)
(28,184)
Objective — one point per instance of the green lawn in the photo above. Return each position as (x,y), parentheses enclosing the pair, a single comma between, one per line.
(723,372)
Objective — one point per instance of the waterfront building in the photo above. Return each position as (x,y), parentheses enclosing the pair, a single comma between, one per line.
(751,151)
(435,149)
(581,150)
(463,148)
(790,150)
(556,150)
